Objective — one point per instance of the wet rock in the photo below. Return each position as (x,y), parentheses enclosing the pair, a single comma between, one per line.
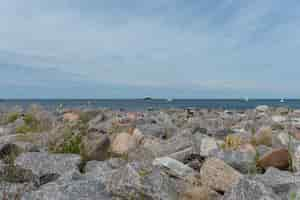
(95,147)
(173,167)
(278,158)
(219,176)
(8,150)
(247,189)
(43,163)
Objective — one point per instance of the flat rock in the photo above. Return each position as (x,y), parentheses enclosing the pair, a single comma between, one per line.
(80,189)
(43,163)
(173,166)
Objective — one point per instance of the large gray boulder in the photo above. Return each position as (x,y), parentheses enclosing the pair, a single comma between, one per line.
(241,161)
(83,189)
(177,143)
(248,189)
(219,176)
(135,181)
(280,181)
(42,164)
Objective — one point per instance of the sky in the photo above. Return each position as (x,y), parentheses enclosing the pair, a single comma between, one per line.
(160,48)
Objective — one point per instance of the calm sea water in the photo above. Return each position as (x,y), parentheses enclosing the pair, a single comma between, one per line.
(140,104)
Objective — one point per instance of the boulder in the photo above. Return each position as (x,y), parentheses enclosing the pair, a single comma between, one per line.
(14,191)
(179,143)
(263,136)
(133,181)
(241,161)
(219,176)
(280,181)
(173,167)
(124,142)
(42,164)
(95,147)
(278,158)
(200,193)
(247,189)
(203,144)
(102,169)
(69,190)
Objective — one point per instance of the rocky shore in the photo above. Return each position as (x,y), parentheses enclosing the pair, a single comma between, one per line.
(174,154)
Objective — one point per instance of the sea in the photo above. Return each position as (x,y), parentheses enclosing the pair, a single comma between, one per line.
(146,104)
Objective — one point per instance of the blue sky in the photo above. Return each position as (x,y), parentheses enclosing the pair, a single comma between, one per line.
(162,48)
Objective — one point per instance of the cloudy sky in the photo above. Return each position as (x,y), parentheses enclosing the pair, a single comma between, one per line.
(162,48)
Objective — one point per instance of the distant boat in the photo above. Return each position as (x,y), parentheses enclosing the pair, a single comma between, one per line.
(246,99)
(169,100)
(148,99)
(282,100)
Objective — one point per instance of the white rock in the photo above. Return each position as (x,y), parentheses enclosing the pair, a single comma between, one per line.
(279,118)
(284,138)
(262,108)
(208,144)
(173,166)
(296,157)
